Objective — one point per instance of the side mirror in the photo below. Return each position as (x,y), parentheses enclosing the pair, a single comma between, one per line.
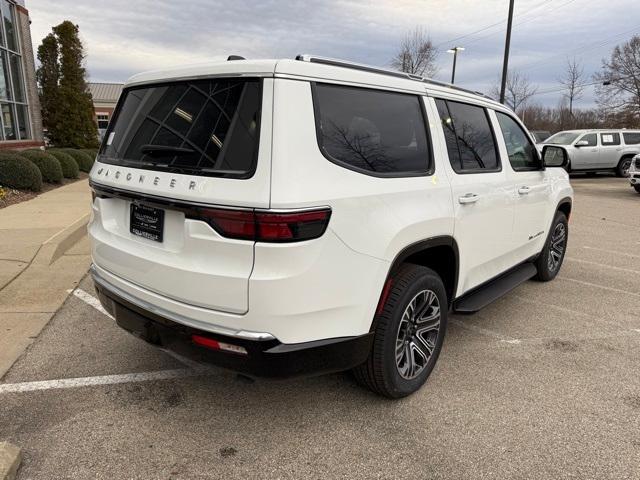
(581,143)
(553,156)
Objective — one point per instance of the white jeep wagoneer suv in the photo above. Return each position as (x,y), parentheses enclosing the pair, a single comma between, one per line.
(290,217)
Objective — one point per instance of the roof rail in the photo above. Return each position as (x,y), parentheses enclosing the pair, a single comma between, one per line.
(383,71)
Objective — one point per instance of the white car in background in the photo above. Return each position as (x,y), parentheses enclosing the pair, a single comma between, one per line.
(634,173)
(598,150)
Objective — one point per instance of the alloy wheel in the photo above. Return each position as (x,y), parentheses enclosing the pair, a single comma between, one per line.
(626,165)
(417,334)
(557,246)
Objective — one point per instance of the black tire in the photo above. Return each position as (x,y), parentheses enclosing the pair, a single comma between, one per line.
(381,372)
(622,170)
(637,188)
(550,259)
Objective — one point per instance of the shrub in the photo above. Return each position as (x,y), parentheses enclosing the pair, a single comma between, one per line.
(48,165)
(92,152)
(18,172)
(84,161)
(69,166)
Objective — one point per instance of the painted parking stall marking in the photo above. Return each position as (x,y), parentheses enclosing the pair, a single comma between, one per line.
(102,380)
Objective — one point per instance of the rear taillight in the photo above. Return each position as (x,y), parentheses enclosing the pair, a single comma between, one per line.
(265,226)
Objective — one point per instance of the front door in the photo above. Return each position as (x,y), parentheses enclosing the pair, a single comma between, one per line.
(531,188)
(481,193)
(587,156)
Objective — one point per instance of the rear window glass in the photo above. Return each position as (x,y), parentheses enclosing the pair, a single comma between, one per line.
(372,131)
(610,139)
(631,138)
(200,127)
(470,142)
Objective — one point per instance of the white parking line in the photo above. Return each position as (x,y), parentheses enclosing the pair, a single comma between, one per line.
(91,300)
(617,252)
(95,303)
(589,284)
(486,332)
(102,380)
(603,265)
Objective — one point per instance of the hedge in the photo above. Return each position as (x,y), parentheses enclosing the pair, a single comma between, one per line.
(84,161)
(69,166)
(92,152)
(18,172)
(48,165)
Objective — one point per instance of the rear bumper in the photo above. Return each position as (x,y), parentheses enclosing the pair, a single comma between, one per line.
(264,357)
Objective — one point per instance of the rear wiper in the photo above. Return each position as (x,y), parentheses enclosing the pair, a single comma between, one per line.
(161,150)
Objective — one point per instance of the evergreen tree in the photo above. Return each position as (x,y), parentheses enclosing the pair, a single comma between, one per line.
(67,106)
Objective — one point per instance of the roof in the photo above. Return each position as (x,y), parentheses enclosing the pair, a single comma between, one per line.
(309,70)
(105,92)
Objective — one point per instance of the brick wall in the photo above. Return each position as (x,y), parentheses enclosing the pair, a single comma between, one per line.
(24,30)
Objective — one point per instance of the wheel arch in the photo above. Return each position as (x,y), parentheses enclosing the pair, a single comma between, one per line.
(565,205)
(625,156)
(628,155)
(437,253)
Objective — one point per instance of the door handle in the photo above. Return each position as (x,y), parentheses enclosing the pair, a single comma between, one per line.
(469,198)
(524,190)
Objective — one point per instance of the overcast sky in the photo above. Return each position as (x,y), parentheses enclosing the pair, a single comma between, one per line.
(125,37)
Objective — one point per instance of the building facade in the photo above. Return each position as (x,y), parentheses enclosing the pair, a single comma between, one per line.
(105,96)
(20,114)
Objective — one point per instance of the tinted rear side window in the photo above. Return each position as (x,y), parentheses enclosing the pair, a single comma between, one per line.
(200,127)
(470,141)
(631,138)
(372,131)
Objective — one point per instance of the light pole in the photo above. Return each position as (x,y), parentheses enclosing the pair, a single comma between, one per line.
(507,45)
(455,51)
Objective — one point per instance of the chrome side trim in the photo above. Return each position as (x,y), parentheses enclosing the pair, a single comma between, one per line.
(243,334)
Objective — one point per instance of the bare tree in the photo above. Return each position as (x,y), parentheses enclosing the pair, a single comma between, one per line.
(417,54)
(573,82)
(619,82)
(518,92)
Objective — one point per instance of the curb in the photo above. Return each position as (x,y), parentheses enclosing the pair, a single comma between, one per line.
(10,458)
(56,246)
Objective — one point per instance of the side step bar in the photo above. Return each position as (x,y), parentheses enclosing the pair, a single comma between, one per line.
(494,289)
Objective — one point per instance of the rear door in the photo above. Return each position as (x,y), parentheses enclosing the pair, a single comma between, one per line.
(610,150)
(483,205)
(172,152)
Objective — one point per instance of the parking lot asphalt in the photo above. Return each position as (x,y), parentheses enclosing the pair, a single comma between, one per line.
(543,383)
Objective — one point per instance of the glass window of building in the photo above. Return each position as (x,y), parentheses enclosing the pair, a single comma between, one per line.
(14,112)
(103,120)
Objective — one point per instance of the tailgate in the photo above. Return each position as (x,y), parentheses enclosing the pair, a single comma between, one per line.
(170,151)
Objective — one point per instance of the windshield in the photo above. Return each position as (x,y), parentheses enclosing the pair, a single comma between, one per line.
(200,127)
(562,138)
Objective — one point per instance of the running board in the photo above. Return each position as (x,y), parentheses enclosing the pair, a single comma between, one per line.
(494,289)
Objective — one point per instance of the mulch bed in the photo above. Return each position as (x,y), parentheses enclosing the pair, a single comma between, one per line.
(12,197)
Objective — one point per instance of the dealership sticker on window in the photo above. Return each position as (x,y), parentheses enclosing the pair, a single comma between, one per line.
(607,138)
(110,139)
